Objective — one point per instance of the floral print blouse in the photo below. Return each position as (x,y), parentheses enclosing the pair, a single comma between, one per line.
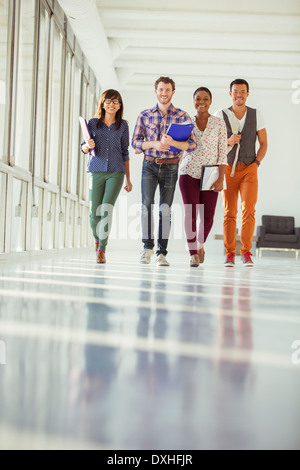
(211,148)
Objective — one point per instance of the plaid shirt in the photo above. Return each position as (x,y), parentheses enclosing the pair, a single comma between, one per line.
(151,125)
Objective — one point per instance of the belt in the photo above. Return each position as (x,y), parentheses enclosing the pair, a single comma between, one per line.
(162,161)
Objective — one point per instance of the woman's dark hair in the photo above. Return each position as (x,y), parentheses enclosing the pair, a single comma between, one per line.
(202,88)
(100,114)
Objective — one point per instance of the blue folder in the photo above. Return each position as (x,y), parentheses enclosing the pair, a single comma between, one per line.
(179,132)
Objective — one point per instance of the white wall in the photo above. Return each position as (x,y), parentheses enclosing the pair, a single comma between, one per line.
(279,185)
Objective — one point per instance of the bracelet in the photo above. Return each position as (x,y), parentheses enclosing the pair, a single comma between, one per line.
(257,162)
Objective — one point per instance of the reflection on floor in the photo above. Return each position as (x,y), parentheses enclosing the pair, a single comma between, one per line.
(127,356)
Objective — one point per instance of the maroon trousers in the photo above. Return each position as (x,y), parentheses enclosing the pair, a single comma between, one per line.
(197,203)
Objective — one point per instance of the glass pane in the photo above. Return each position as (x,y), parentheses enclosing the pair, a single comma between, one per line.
(36,220)
(85,226)
(3,179)
(78,223)
(82,161)
(70,221)
(66,121)
(91,111)
(62,216)
(76,133)
(49,242)
(41,95)
(3,68)
(18,215)
(55,107)
(24,84)
(91,102)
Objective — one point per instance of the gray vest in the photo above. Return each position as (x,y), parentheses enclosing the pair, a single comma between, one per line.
(247,153)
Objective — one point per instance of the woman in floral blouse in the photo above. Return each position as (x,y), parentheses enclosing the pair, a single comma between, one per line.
(211,150)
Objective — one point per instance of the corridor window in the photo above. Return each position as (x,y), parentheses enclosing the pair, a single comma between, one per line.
(76,135)
(18,215)
(41,94)
(3,69)
(91,110)
(54,125)
(36,220)
(22,133)
(3,179)
(50,221)
(82,162)
(66,122)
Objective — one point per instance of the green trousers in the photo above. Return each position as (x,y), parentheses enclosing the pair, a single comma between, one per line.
(105,189)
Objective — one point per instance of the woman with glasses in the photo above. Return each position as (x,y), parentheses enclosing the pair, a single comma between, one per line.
(110,139)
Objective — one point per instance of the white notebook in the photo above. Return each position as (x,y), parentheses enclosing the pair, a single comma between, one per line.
(86,133)
(209,175)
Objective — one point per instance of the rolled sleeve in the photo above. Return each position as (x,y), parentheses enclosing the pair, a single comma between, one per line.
(192,142)
(81,145)
(138,134)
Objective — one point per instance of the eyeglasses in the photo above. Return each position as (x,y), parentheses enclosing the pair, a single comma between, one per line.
(116,102)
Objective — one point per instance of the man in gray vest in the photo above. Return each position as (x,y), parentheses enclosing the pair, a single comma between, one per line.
(244,125)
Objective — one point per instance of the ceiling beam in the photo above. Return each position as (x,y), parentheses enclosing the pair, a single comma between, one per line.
(183,55)
(86,23)
(205,21)
(173,67)
(206,40)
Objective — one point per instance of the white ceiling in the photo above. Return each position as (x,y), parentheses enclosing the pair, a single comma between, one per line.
(207,42)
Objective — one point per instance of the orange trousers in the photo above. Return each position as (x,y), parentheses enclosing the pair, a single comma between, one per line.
(245,183)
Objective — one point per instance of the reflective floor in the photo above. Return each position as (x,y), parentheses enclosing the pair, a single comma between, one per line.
(127,356)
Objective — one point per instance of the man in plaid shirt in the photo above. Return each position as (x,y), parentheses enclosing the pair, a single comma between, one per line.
(160,166)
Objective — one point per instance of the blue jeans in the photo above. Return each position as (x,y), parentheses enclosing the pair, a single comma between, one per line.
(164,176)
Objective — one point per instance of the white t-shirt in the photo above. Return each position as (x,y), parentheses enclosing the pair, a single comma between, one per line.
(259,119)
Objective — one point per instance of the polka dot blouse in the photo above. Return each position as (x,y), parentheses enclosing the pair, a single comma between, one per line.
(111,147)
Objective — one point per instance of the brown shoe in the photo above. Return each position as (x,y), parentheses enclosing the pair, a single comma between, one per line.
(101,257)
(194,261)
(201,254)
(96,246)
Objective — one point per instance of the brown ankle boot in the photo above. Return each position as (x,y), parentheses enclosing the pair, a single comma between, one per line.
(101,257)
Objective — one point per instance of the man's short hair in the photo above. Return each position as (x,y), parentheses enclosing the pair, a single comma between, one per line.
(165,80)
(239,81)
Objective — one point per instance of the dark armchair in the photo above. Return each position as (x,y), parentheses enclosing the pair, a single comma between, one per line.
(278,233)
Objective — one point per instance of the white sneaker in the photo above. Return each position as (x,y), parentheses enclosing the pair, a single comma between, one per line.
(146,256)
(161,261)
